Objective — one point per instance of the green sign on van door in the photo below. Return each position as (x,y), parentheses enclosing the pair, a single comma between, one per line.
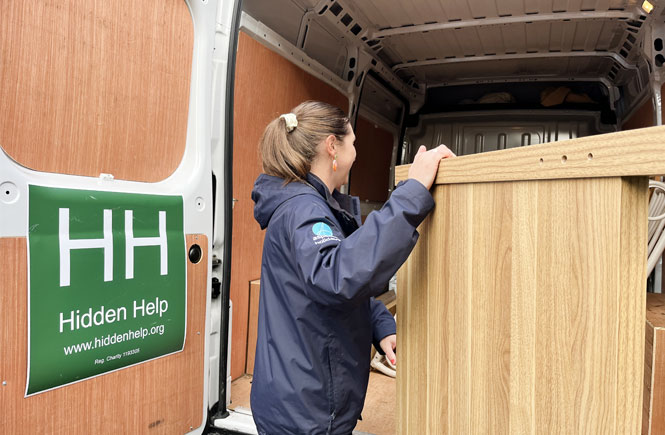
(107,286)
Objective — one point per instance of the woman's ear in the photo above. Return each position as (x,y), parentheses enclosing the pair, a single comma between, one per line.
(330,143)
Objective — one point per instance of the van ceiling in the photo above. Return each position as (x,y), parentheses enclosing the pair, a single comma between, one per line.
(442,41)
(430,43)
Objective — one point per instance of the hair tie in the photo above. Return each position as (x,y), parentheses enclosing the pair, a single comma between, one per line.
(290,120)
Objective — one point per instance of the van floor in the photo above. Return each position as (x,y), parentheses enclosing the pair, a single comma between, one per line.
(378,413)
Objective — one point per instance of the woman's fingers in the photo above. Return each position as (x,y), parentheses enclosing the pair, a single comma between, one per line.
(388,345)
(426,164)
(390,354)
(445,151)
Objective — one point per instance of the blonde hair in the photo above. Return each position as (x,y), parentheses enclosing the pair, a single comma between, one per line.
(289,154)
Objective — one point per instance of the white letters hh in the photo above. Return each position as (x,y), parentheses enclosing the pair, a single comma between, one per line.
(131,242)
(67,244)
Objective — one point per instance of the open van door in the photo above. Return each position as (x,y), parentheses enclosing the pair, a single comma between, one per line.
(106,214)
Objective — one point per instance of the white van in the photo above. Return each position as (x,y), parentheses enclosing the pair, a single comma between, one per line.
(129,132)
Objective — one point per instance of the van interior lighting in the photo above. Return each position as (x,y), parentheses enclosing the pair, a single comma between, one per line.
(648,7)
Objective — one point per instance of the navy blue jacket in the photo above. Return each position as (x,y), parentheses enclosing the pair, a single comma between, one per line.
(317,314)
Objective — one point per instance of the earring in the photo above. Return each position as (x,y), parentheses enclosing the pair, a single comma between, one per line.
(335,163)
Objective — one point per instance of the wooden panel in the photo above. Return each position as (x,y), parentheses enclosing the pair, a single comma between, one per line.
(490,345)
(164,395)
(521,310)
(626,153)
(648,377)
(524,308)
(657,420)
(412,335)
(632,306)
(418,287)
(252,328)
(654,369)
(656,310)
(370,174)
(643,117)
(89,87)
(257,102)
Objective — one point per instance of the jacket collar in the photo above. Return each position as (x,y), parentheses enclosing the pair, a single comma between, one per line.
(345,208)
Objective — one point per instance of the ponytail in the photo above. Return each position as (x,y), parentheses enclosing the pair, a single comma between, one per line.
(290,143)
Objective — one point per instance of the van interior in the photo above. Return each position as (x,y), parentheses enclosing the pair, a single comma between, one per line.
(477,76)
(138,99)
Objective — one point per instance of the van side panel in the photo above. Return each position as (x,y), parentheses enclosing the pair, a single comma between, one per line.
(82,91)
(266,86)
(643,117)
(164,395)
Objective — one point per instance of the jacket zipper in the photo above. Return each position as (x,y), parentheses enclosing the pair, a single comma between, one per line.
(331,393)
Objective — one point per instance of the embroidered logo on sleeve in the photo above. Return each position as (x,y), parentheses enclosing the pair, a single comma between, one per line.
(323,233)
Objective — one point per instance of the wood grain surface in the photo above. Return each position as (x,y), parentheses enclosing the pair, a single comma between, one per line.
(161,396)
(654,367)
(626,153)
(643,116)
(370,174)
(253,323)
(90,87)
(258,100)
(656,310)
(521,310)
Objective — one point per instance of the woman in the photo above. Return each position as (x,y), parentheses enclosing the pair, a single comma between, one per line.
(320,271)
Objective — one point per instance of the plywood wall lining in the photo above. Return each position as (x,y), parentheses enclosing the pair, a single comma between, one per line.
(166,393)
(653,421)
(90,87)
(253,323)
(370,175)
(643,117)
(259,98)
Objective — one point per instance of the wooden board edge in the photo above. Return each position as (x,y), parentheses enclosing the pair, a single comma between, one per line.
(625,153)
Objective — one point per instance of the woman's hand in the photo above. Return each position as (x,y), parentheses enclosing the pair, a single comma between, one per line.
(388,345)
(426,164)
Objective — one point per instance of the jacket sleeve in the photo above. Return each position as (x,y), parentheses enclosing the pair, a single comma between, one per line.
(337,270)
(383,323)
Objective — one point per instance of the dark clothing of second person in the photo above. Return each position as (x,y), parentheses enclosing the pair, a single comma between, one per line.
(317,315)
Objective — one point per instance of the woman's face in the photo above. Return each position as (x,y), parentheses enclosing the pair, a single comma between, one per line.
(346,155)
